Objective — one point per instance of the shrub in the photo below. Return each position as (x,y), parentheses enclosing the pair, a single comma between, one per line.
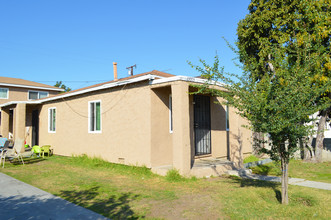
(174,176)
(251,158)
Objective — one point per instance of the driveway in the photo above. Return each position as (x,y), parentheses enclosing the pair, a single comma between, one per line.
(19,200)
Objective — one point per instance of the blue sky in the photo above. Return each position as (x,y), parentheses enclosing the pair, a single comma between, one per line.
(77,41)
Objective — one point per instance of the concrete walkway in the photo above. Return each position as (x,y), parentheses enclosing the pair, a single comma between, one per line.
(19,200)
(291,181)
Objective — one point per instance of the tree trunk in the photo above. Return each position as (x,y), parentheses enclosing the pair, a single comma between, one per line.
(284,164)
(302,149)
(308,150)
(320,136)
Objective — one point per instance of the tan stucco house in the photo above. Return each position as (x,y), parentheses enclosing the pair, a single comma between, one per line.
(148,119)
(20,90)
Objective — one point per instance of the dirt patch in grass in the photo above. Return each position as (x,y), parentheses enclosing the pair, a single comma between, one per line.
(188,206)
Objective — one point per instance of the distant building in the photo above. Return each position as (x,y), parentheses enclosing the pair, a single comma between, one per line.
(18,90)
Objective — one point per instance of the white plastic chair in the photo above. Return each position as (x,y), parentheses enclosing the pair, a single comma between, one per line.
(16,152)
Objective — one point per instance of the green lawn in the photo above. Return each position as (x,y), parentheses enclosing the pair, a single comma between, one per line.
(120,192)
(320,172)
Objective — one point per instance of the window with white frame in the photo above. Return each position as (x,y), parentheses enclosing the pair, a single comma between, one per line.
(51,120)
(43,95)
(170,115)
(95,117)
(37,95)
(4,93)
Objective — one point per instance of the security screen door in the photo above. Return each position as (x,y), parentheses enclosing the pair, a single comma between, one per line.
(202,125)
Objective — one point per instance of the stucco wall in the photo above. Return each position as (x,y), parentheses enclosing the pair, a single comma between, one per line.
(125,116)
(233,143)
(161,142)
(135,126)
(21,94)
(218,128)
(240,137)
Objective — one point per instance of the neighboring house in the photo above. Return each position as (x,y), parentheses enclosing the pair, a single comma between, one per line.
(13,89)
(147,119)
(18,90)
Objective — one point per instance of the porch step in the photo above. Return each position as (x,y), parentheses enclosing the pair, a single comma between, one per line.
(240,172)
(205,168)
(211,162)
(211,167)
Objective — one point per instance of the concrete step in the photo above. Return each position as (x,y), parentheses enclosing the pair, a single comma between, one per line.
(240,172)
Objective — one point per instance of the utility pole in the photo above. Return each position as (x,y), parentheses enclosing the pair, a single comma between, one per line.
(130,68)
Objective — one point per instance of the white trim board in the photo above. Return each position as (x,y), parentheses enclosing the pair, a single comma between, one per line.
(31,87)
(83,91)
(187,79)
(150,77)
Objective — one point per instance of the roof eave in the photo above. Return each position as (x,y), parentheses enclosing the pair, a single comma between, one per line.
(186,79)
(31,87)
(150,77)
(18,102)
(105,86)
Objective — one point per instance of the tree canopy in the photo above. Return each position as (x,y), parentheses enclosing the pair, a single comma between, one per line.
(284,47)
(62,86)
(274,26)
(282,29)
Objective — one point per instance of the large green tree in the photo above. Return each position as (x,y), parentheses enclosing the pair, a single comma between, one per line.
(283,26)
(286,74)
(62,86)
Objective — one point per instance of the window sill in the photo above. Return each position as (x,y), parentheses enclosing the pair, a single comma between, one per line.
(95,132)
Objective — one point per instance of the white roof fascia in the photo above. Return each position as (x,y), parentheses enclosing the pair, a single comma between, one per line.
(30,87)
(187,79)
(105,86)
(18,102)
(150,77)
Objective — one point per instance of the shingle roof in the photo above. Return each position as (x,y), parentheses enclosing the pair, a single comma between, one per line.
(153,72)
(22,82)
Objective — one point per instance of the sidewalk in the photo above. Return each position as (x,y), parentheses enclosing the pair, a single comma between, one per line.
(291,181)
(19,200)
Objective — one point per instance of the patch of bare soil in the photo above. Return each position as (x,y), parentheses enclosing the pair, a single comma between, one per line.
(188,206)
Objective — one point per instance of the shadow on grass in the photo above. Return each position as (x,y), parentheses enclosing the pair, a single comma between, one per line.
(30,160)
(116,207)
(268,169)
(22,206)
(259,183)
(263,170)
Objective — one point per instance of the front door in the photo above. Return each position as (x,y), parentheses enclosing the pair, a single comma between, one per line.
(35,127)
(202,125)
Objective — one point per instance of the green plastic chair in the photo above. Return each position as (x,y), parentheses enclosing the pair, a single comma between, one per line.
(46,149)
(36,150)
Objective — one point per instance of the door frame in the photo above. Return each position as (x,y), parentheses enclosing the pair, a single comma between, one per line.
(205,132)
(35,127)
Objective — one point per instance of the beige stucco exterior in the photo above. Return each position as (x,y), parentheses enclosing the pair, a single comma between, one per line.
(135,126)
(125,126)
